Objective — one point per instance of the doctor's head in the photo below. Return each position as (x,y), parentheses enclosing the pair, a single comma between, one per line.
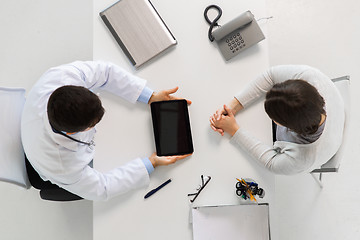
(74,109)
(295,104)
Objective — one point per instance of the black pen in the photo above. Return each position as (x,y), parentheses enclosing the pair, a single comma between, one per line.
(157,189)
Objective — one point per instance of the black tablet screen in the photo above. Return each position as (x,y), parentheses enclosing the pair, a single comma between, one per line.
(171,128)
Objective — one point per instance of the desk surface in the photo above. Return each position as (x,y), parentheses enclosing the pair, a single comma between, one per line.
(197,67)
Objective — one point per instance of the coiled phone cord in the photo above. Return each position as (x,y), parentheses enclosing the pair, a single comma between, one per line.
(214,22)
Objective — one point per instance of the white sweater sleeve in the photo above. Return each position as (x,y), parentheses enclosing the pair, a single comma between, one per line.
(279,160)
(264,82)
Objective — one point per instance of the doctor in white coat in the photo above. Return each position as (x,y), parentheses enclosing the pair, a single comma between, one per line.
(63,157)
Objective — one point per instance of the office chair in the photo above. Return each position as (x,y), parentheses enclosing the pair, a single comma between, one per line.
(14,167)
(343,85)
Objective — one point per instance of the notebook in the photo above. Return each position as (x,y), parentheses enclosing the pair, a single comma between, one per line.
(138,29)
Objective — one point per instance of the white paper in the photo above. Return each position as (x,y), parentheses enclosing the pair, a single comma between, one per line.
(240,222)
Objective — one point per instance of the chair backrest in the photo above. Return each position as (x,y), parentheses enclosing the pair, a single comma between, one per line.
(12,158)
(343,85)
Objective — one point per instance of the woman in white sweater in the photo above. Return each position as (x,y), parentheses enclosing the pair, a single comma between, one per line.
(308,111)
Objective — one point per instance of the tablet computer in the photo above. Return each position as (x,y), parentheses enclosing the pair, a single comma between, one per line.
(171,128)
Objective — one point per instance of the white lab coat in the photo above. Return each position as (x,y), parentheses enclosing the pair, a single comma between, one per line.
(63,161)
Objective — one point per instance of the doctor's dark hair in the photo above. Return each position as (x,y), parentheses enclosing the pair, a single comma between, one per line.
(295,104)
(74,109)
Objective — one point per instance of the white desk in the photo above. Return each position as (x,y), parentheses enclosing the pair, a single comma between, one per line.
(204,77)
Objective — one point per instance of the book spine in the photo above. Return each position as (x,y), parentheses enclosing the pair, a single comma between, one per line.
(117,38)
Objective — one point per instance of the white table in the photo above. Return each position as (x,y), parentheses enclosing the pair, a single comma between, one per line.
(196,66)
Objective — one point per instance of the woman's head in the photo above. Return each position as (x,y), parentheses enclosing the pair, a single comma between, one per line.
(296,105)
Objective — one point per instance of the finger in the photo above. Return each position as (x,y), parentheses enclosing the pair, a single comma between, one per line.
(219,130)
(172,90)
(166,161)
(184,156)
(215,117)
(212,127)
(221,111)
(177,98)
(213,121)
(180,157)
(173,159)
(228,110)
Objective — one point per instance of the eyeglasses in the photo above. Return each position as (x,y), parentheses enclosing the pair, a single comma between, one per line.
(202,186)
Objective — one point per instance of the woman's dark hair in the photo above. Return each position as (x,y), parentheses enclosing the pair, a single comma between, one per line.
(74,109)
(295,104)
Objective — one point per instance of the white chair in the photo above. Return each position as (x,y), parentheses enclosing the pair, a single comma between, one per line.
(343,85)
(13,167)
(12,160)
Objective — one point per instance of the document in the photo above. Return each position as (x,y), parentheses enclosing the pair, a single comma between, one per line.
(230,222)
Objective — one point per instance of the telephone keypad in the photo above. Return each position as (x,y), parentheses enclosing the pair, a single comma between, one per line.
(235,42)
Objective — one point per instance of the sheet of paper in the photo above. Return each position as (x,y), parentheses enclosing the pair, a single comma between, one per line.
(240,222)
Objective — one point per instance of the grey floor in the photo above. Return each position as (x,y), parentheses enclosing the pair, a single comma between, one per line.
(39,34)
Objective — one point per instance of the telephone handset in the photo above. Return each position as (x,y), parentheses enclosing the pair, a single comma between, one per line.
(236,24)
(236,35)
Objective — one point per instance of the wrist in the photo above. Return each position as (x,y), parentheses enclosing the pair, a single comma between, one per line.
(235,105)
(151,98)
(153,161)
(234,130)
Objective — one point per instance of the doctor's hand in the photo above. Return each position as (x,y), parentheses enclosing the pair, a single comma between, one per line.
(225,123)
(165,95)
(166,160)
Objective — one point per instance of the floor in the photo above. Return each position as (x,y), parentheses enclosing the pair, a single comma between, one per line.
(324,34)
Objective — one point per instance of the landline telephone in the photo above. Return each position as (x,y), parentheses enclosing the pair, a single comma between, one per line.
(235,36)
